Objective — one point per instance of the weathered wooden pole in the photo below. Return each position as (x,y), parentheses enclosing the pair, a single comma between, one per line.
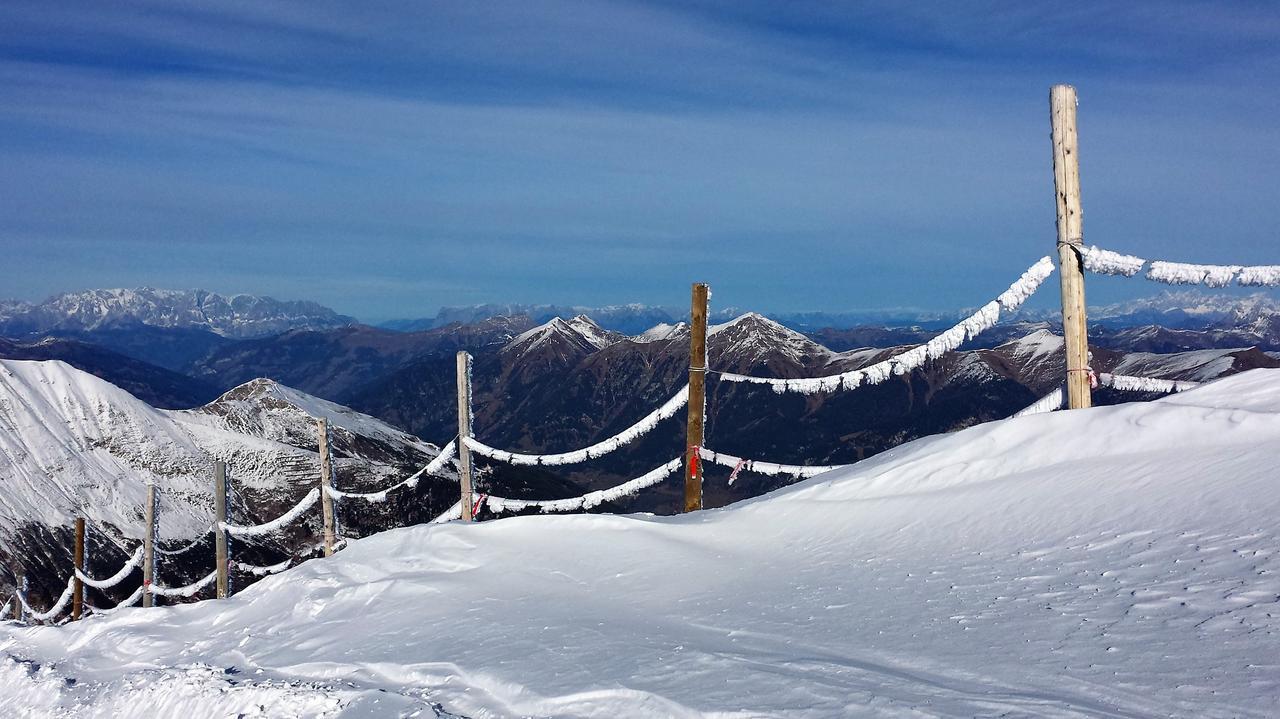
(219,525)
(326,482)
(697,397)
(77,591)
(1066,183)
(464,430)
(149,548)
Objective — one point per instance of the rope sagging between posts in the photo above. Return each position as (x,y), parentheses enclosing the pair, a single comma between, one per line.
(1056,399)
(1107,262)
(737,464)
(589,500)
(131,564)
(278,523)
(63,600)
(187,591)
(970,327)
(599,449)
(435,465)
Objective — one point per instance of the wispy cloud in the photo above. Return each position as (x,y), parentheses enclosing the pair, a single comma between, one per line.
(799,156)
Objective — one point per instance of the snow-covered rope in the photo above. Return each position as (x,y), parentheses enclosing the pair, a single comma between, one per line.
(589,500)
(1051,402)
(599,449)
(186,547)
(1128,383)
(6,610)
(450,514)
(968,328)
(1107,262)
(767,468)
(264,571)
(131,600)
(187,591)
(446,454)
(279,522)
(56,609)
(116,578)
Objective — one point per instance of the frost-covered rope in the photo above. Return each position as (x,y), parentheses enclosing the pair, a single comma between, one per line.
(7,609)
(450,514)
(1128,383)
(768,468)
(589,500)
(187,591)
(116,578)
(446,454)
(186,547)
(57,607)
(1107,262)
(131,600)
(598,449)
(1052,402)
(279,522)
(968,328)
(264,571)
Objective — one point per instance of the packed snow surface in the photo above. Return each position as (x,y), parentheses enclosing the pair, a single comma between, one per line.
(1115,562)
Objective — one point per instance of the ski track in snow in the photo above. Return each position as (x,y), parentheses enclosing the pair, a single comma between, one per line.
(1113,562)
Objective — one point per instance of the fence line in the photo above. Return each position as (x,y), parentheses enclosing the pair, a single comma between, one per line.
(946,341)
(599,449)
(1106,262)
(1073,257)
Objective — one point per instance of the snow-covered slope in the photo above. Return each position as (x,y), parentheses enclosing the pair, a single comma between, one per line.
(1117,562)
(72,444)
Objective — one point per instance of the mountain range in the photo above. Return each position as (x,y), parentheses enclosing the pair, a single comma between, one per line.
(106,399)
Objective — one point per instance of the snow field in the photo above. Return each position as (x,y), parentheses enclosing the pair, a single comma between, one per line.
(1119,561)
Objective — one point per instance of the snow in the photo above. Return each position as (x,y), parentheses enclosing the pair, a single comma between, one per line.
(133,562)
(1107,262)
(1063,565)
(1052,402)
(1262,275)
(966,329)
(435,465)
(599,449)
(1193,366)
(581,331)
(761,467)
(1180,273)
(659,332)
(590,500)
(307,502)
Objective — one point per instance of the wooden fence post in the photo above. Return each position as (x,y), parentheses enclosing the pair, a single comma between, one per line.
(149,547)
(1066,183)
(77,590)
(464,431)
(326,481)
(697,397)
(219,522)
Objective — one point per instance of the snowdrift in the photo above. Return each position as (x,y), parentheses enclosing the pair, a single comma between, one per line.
(1113,562)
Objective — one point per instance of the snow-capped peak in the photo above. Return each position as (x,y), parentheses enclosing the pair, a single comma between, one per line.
(752,338)
(660,331)
(580,333)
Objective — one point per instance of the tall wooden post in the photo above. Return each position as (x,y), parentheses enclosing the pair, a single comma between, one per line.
(77,591)
(697,397)
(464,430)
(326,482)
(1066,183)
(149,548)
(219,522)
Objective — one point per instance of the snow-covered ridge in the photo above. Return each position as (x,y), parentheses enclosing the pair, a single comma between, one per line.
(1069,565)
(239,316)
(579,332)
(71,443)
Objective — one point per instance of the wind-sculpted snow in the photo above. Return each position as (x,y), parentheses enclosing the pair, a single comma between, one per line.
(1118,561)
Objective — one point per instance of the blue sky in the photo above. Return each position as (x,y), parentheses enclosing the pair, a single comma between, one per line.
(389,158)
